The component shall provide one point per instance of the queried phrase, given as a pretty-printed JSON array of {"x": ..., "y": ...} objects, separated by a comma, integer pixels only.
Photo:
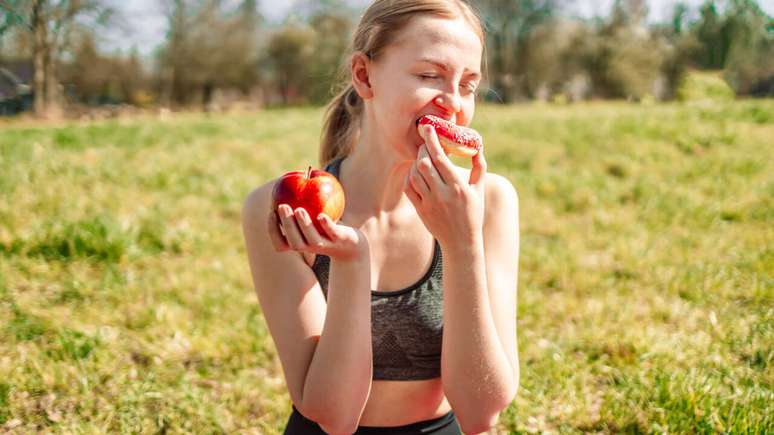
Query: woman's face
[{"x": 433, "y": 67}]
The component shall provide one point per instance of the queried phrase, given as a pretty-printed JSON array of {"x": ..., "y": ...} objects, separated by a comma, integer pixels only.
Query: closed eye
[{"x": 469, "y": 87}]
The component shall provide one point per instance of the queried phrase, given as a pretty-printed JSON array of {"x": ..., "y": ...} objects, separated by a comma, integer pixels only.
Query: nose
[{"x": 451, "y": 103}]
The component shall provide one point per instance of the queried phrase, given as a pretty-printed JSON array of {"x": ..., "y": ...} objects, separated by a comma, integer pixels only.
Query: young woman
[{"x": 401, "y": 318}]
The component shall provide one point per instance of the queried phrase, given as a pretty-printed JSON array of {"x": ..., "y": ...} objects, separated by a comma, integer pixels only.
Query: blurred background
[
  {"x": 638, "y": 135},
  {"x": 213, "y": 55}
]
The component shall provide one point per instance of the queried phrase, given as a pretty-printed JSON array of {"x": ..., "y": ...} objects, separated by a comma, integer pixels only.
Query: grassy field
[{"x": 645, "y": 286}]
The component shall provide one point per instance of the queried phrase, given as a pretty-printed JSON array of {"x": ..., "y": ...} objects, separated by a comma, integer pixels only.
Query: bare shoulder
[
  {"x": 501, "y": 205},
  {"x": 255, "y": 214},
  {"x": 499, "y": 189},
  {"x": 501, "y": 211},
  {"x": 259, "y": 199},
  {"x": 256, "y": 207}
]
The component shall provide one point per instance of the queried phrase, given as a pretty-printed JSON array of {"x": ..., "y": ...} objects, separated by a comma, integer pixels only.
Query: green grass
[{"x": 645, "y": 285}]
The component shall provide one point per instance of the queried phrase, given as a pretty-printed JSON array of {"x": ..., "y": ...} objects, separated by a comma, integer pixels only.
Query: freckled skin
[{"x": 314, "y": 190}]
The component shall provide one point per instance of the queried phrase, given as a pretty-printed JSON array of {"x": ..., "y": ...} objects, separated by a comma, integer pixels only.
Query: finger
[
  {"x": 439, "y": 158},
  {"x": 418, "y": 182},
  {"x": 275, "y": 234},
  {"x": 292, "y": 232},
  {"x": 309, "y": 231},
  {"x": 426, "y": 168},
  {"x": 329, "y": 227},
  {"x": 477, "y": 174},
  {"x": 413, "y": 196}
]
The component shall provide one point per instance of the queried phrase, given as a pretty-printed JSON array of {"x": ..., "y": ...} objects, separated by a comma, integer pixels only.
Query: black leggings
[{"x": 444, "y": 425}]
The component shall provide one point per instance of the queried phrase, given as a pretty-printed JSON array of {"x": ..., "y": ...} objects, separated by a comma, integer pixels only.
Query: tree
[
  {"x": 548, "y": 62},
  {"x": 10, "y": 17},
  {"x": 290, "y": 52},
  {"x": 208, "y": 47},
  {"x": 712, "y": 36},
  {"x": 679, "y": 16},
  {"x": 510, "y": 22},
  {"x": 50, "y": 24},
  {"x": 173, "y": 54},
  {"x": 749, "y": 60},
  {"x": 677, "y": 44},
  {"x": 333, "y": 32},
  {"x": 738, "y": 38},
  {"x": 95, "y": 78}
]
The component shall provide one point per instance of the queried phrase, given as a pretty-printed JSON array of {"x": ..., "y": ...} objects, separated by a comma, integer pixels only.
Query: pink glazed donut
[{"x": 455, "y": 139}]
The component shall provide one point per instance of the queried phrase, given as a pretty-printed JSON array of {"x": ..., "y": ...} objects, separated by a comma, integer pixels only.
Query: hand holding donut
[{"x": 451, "y": 208}]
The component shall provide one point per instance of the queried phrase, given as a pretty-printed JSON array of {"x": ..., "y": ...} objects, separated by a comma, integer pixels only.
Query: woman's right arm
[{"x": 325, "y": 349}]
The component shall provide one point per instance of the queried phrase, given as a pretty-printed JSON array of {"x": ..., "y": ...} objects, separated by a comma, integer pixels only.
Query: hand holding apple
[
  {"x": 315, "y": 190},
  {"x": 305, "y": 209}
]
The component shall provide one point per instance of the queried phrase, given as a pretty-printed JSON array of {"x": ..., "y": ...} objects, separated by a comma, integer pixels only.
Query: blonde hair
[{"x": 377, "y": 29}]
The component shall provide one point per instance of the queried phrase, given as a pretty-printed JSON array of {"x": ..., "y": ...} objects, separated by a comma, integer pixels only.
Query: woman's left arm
[
  {"x": 479, "y": 360},
  {"x": 480, "y": 369}
]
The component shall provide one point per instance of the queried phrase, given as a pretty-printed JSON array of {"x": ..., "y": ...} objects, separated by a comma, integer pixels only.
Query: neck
[{"x": 372, "y": 177}]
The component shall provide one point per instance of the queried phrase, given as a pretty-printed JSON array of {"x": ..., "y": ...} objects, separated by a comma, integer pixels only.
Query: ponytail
[{"x": 341, "y": 125}]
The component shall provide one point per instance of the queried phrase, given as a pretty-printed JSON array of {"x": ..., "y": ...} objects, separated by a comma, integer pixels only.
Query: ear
[{"x": 360, "y": 70}]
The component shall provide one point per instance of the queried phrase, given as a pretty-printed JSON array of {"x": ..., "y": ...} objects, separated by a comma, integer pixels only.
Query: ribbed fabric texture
[{"x": 407, "y": 324}]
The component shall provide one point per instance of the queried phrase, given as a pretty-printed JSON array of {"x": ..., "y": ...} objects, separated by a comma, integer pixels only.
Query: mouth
[{"x": 442, "y": 118}]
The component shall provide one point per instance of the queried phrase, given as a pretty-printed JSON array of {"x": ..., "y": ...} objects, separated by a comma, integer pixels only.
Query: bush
[{"x": 698, "y": 85}]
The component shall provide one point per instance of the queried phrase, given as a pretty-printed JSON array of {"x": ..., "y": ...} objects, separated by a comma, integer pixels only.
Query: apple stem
[{"x": 308, "y": 172}]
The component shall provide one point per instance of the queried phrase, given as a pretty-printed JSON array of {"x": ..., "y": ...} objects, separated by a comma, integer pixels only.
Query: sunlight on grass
[{"x": 645, "y": 284}]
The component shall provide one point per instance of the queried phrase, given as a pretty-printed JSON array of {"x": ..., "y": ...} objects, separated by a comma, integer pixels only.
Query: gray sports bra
[{"x": 406, "y": 325}]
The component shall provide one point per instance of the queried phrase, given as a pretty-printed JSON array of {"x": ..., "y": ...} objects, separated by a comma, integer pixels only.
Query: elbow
[
  {"x": 331, "y": 420},
  {"x": 333, "y": 429},
  {"x": 349, "y": 430},
  {"x": 512, "y": 391},
  {"x": 482, "y": 419},
  {"x": 337, "y": 412},
  {"x": 478, "y": 427},
  {"x": 333, "y": 426}
]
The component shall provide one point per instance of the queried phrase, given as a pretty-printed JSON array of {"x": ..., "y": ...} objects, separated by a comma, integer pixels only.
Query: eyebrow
[{"x": 443, "y": 66}]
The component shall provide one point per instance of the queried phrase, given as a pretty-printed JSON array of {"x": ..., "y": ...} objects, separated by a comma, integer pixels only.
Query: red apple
[{"x": 315, "y": 190}]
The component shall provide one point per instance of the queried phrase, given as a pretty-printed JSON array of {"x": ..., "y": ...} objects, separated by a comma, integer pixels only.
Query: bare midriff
[{"x": 397, "y": 403}]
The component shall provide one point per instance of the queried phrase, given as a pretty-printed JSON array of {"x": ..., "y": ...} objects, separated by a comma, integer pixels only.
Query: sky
[{"x": 145, "y": 25}]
